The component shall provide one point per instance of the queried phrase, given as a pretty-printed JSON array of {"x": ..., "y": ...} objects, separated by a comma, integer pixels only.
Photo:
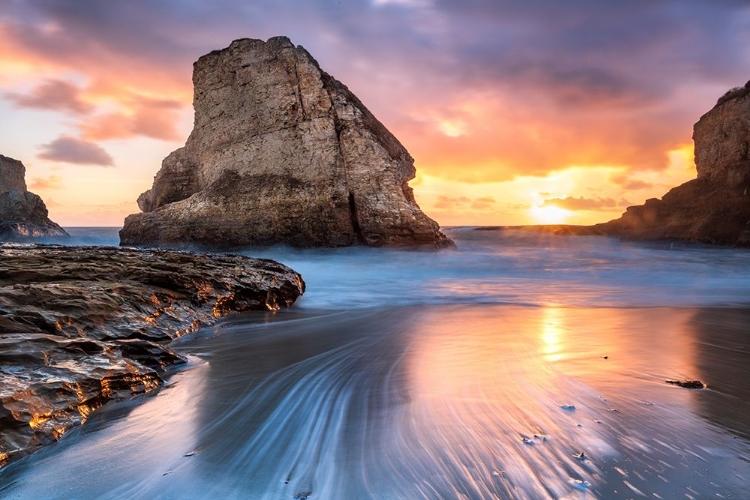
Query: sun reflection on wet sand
[
  {"x": 551, "y": 332},
  {"x": 467, "y": 402}
]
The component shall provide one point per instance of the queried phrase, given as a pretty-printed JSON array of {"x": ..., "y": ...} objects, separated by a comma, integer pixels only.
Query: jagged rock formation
[
  {"x": 715, "y": 207},
  {"x": 280, "y": 152},
  {"x": 23, "y": 215},
  {"x": 80, "y": 326}
]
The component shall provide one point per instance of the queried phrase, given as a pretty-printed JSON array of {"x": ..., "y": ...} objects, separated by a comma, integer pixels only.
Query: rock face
[
  {"x": 715, "y": 207},
  {"x": 23, "y": 215},
  {"x": 280, "y": 152},
  {"x": 83, "y": 326}
]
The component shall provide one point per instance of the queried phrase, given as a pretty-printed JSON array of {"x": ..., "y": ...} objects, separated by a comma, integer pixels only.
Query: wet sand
[{"x": 475, "y": 401}]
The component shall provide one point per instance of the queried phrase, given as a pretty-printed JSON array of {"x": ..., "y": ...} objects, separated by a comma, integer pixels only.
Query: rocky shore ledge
[{"x": 83, "y": 326}]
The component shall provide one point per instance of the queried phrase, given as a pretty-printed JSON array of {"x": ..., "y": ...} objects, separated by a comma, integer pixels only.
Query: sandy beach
[{"x": 429, "y": 402}]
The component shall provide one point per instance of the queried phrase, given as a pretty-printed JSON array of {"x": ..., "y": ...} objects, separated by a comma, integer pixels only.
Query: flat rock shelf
[{"x": 80, "y": 326}]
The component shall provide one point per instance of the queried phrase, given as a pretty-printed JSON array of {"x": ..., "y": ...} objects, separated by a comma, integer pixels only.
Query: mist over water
[
  {"x": 90, "y": 236},
  {"x": 509, "y": 267},
  {"x": 480, "y": 373},
  {"x": 516, "y": 267}
]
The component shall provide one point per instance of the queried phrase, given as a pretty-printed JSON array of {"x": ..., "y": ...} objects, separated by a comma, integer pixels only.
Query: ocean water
[
  {"x": 510, "y": 267},
  {"x": 518, "y": 366}
]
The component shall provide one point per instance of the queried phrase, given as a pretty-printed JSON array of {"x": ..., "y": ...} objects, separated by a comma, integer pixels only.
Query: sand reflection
[{"x": 551, "y": 332}]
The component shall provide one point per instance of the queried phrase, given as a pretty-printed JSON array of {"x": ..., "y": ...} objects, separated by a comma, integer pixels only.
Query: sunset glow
[
  {"x": 536, "y": 127},
  {"x": 550, "y": 214}
]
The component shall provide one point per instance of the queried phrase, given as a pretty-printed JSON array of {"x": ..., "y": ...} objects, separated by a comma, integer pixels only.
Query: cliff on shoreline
[
  {"x": 23, "y": 215},
  {"x": 715, "y": 207},
  {"x": 281, "y": 152},
  {"x": 80, "y": 326}
]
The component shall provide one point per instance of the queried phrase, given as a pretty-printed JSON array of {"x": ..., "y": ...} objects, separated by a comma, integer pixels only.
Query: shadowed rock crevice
[
  {"x": 355, "y": 221},
  {"x": 83, "y": 326},
  {"x": 277, "y": 148}
]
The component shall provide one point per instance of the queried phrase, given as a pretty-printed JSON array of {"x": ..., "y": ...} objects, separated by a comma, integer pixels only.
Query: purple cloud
[
  {"x": 68, "y": 149},
  {"x": 53, "y": 95}
]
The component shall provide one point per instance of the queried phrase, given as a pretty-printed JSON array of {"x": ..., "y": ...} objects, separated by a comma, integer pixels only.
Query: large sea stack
[
  {"x": 714, "y": 207},
  {"x": 280, "y": 152},
  {"x": 23, "y": 215}
]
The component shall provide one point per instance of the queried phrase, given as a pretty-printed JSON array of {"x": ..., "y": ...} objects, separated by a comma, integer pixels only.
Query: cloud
[
  {"x": 57, "y": 95},
  {"x": 630, "y": 184},
  {"x": 464, "y": 203},
  {"x": 551, "y": 85},
  {"x": 148, "y": 117},
  {"x": 68, "y": 149},
  {"x": 589, "y": 48},
  {"x": 130, "y": 67},
  {"x": 483, "y": 203},
  {"x": 139, "y": 115},
  {"x": 581, "y": 203},
  {"x": 45, "y": 183},
  {"x": 451, "y": 202}
]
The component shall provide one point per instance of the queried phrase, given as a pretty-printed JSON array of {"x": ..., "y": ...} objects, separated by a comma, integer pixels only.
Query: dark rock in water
[
  {"x": 281, "y": 152},
  {"x": 715, "y": 207},
  {"x": 23, "y": 215},
  {"x": 688, "y": 384},
  {"x": 83, "y": 326}
]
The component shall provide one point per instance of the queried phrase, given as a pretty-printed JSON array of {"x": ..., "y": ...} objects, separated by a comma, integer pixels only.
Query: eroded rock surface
[
  {"x": 23, "y": 215},
  {"x": 83, "y": 326},
  {"x": 280, "y": 152},
  {"x": 714, "y": 207}
]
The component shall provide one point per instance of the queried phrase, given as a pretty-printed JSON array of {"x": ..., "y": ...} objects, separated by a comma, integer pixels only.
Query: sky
[{"x": 541, "y": 111}]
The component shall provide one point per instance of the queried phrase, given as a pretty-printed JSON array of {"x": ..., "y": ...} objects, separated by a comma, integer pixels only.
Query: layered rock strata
[
  {"x": 714, "y": 207},
  {"x": 83, "y": 326},
  {"x": 280, "y": 152},
  {"x": 23, "y": 215}
]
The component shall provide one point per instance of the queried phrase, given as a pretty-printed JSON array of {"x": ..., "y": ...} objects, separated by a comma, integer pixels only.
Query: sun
[{"x": 550, "y": 214}]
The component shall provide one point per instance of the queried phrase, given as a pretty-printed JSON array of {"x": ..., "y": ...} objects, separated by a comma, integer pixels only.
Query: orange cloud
[
  {"x": 45, "y": 183},
  {"x": 483, "y": 203},
  {"x": 451, "y": 203},
  {"x": 629, "y": 183},
  {"x": 463, "y": 204},
  {"x": 155, "y": 118},
  {"x": 581, "y": 203},
  {"x": 145, "y": 94},
  {"x": 52, "y": 94},
  {"x": 503, "y": 138}
]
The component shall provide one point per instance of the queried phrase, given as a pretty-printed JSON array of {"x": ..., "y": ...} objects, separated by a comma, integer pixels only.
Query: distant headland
[
  {"x": 23, "y": 215},
  {"x": 714, "y": 208}
]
